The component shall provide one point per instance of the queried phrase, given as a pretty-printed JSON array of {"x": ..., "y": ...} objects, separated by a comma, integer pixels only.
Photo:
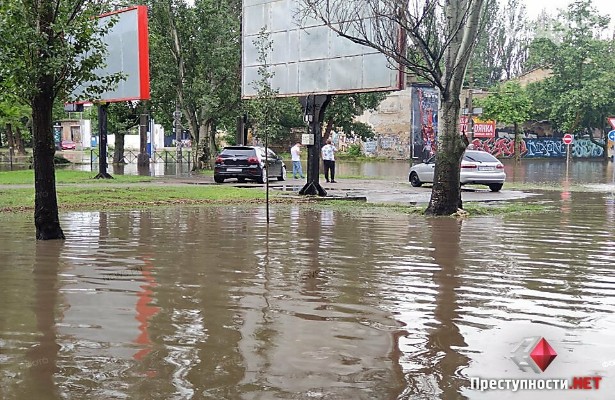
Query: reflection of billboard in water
[{"x": 424, "y": 116}]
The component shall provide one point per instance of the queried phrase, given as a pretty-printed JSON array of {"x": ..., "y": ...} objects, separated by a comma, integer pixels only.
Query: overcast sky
[{"x": 534, "y": 7}]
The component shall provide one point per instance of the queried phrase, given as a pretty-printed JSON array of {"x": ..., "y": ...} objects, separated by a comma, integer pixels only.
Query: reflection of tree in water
[
  {"x": 443, "y": 343},
  {"x": 43, "y": 357}
]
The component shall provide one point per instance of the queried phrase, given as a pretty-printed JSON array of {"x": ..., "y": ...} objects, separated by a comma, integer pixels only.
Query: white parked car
[{"x": 477, "y": 167}]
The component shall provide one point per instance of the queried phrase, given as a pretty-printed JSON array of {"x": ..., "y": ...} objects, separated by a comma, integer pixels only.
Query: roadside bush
[{"x": 354, "y": 150}]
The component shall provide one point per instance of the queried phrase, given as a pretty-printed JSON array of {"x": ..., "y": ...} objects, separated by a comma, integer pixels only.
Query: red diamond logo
[{"x": 543, "y": 354}]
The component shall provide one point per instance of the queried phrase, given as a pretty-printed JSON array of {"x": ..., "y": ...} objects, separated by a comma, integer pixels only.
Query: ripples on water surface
[{"x": 209, "y": 303}]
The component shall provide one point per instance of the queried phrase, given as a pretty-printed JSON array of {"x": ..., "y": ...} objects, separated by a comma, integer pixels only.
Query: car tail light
[
  {"x": 469, "y": 166},
  {"x": 252, "y": 160},
  {"x": 499, "y": 166},
  {"x": 219, "y": 160}
]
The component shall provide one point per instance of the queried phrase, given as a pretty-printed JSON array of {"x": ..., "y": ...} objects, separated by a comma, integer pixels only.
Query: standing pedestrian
[
  {"x": 295, "y": 156},
  {"x": 427, "y": 149},
  {"x": 328, "y": 158}
]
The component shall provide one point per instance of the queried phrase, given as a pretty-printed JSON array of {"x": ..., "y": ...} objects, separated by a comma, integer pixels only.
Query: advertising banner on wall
[
  {"x": 483, "y": 129},
  {"x": 424, "y": 117}
]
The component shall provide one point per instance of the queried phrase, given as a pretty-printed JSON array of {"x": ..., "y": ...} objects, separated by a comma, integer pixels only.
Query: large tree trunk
[
  {"x": 118, "y": 154},
  {"x": 10, "y": 141},
  {"x": 328, "y": 130},
  {"x": 213, "y": 148},
  {"x": 46, "y": 218},
  {"x": 517, "y": 143},
  {"x": 446, "y": 191},
  {"x": 204, "y": 150},
  {"x": 19, "y": 144},
  {"x": 202, "y": 153}
]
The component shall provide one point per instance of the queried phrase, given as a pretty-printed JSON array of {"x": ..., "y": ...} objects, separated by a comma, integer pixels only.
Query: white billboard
[
  {"x": 307, "y": 57},
  {"x": 127, "y": 53}
]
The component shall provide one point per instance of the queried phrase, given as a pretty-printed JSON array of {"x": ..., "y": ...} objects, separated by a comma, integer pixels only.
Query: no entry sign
[{"x": 567, "y": 139}]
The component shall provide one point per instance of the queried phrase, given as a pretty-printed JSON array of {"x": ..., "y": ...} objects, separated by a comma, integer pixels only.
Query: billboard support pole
[
  {"x": 143, "y": 157},
  {"x": 102, "y": 142},
  {"x": 314, "y": 107}
]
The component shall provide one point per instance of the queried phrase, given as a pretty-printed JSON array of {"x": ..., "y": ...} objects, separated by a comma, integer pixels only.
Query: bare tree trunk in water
[
  {"x": 118, "y": 154},
  {"x": 446, "y": 191}
]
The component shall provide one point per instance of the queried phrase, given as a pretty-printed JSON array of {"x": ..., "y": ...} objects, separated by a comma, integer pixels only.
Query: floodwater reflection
[{"x": 211, "y": 302}]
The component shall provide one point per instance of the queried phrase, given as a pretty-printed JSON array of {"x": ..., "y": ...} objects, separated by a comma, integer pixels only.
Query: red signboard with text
[{"x": 484, "y": 129}]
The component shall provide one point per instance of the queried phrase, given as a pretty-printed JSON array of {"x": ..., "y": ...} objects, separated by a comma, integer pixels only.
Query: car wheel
[
  {"x": 218, "y": 179},
  {"x": 263, "y": 178},
  {"x": 495, "y": 187},
  {"x": 414, "y": 180},
  {"x": 283, "y": 176}
]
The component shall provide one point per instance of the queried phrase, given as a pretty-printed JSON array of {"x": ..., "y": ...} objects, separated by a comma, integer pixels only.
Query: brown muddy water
[{"x": 210, "y": 303}]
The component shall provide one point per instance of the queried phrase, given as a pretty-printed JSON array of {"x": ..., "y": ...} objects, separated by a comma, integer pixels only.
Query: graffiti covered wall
[
  {"x": 425, "y": 101},
  {"x": 539, "y": 147}
]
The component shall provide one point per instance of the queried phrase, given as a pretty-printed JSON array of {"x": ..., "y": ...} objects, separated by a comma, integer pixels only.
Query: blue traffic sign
[{"x": 612, "y": 136}]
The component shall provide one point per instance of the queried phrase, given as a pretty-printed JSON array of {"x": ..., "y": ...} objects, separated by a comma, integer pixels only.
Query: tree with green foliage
[
  {"x": 264, "y": 108},
  {"x": 501, "y": 49},
  {"x": 508, "y": 103},
  {"x": 196, "y": 56},
  {"x": 578, "y": 96},
  {"x": 343, "y": 109},
  {"x": 123, "y": 117},
  {"x": 14, "y": 118},
  {"x": 287, "y": 113},
  {"x": 38, "y": 64}
]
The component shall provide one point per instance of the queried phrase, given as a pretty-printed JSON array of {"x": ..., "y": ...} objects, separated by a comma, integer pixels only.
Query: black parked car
[{"x": 248, "y": 162}]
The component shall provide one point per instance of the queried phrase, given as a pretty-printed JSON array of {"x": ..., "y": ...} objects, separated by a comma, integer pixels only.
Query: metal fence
[{"x": 159, "y": 156}]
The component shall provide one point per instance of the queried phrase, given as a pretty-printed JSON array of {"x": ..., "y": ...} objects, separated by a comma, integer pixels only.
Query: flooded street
[{"x": 210, "y": 303}]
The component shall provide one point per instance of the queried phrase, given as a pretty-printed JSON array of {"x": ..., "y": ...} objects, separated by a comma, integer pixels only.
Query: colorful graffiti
[
  {"x": 585, "y": 148},
  {"x": 539, "y": 147},
  {"x": 499, "y": 147},
  {"x": 545, "y": 147}
]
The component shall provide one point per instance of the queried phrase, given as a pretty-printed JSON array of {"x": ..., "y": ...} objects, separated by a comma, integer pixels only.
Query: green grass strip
[
  {"x": 24, "y": 177},
  {"x": 132, "y": 197}
]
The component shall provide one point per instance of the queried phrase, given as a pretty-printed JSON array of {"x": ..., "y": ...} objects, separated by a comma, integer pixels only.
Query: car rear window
[
  {"x": 479, "y": 156},
  {"x": 238, "y": 152}
]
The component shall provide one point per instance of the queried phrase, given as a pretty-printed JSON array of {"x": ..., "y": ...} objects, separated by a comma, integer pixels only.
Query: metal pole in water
[{"x": 267, "y": 174}]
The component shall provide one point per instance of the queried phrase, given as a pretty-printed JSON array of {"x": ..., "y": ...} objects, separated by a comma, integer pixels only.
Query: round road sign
[
  {"x": 612, "y": 136},
  {"x": 567, "y": 139}
]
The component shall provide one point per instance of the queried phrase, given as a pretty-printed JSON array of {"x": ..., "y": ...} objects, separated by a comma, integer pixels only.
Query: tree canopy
[{"x": 580, "y": 92}]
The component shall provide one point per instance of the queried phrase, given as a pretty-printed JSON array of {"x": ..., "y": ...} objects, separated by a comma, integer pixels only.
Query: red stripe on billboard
[{"x": 143, "y": 52}]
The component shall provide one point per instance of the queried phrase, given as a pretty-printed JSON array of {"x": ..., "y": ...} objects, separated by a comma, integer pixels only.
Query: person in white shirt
[
  {"x": 295, "y": 156},
  {"x": 328, "y": 159}
]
